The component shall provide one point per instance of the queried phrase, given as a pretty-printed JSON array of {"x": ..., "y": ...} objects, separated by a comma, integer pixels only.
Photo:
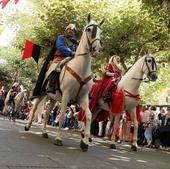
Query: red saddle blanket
[
  {"x": 117, "y": 101},
  {"x": 117, "y": 107}
]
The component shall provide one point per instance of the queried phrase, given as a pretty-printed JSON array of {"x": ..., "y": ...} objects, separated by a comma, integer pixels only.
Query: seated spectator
[
  {"x": 151, "y": 126},
  {"x": 142, "y": 125},
  {"x": 161, "y": 117},
  {"x": 167, "y": 117},
  {"x": 68, "y": 118},
  {"x": 165, "y": 131}
]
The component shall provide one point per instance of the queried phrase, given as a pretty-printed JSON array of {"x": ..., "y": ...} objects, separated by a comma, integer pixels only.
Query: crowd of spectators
[
  {"x": 70, "y": 118},
  {"x": 153, "y": 128}
]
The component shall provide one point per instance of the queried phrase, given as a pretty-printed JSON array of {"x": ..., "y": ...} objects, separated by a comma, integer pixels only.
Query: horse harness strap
[
  {"x": 136, "y": 96},
  {"x": 78, "y": 78}
]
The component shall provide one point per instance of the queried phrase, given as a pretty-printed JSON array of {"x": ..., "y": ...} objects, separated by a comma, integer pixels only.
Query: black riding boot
[{"x": 52, "y": 82}]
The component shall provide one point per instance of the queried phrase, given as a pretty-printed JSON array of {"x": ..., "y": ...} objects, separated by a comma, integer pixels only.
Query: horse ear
[
  {"x": 102, "y": 22},
  {"x": 88, "y": 18},
  {"x": 147, "y": 52}
]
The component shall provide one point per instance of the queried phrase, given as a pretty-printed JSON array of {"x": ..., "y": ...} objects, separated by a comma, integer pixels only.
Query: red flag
[
  {"x": 4, "y": 3},
  {"x": 16, "y": 1},
  {"x": 31, "y": 50}
]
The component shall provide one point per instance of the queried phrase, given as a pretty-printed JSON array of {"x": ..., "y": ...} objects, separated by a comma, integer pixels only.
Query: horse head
[
  {"x": 93, "y": 32},
  {"x": 149, "y": 67}
]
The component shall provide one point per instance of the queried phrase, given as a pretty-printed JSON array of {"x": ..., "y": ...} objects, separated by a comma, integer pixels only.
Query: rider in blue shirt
[
  {"x": 62, "y": 51},
  {"x": 65, "y": 46},
  {"x": 65, "y": 49}
]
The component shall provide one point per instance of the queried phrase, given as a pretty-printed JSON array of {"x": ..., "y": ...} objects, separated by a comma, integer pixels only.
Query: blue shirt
[{"x": 65, "y": 50}]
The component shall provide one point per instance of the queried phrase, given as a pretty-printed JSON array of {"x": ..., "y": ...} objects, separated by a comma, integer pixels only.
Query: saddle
[{"x": 53, "y": 83}]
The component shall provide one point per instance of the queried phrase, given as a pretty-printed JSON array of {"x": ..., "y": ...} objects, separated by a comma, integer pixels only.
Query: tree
[
  {"x": 13, "y": 64},
  {"x": 131, "y": 27}
]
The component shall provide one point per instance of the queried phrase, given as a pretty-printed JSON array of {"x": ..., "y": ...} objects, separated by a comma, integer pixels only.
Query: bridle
[
  {"x": 93, "y": 35},
  {"x": 150, "y": 70}
]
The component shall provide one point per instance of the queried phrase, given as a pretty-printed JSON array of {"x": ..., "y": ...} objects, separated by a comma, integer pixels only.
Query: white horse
[
  {"x": 20, "y": 100},
  {"x": 130, "y": 83},
  {"x": 14, "y": 103},
  {"x": 75, "y": 82}
]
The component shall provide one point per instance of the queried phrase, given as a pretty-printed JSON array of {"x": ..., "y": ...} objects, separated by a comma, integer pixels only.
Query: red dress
[
  {"x": 99, "y": 89},
  {"x": 104, "y": 85}
]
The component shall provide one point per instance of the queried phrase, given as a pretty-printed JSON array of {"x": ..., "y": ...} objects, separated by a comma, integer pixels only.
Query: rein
[
  {"x": 81, "y": 81},
  {"x": 141, "y": 79}
]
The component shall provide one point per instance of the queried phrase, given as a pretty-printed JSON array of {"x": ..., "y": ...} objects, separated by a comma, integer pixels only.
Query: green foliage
[
  {"x": 13, "y": 63},
  {"x": 131, "y": 28},
  {"x": 150, "y": 92}
]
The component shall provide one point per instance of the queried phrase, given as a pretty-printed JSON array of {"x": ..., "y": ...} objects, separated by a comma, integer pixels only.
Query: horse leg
[
  {"x": 85, "y": 140},
  {"x": 115, "y": 127},
  {"x": 4, "y": 111},
  {"x": 64, "y": 101},
  {"x": 32, "y": 112},
  {"x": 134, "y": 119},
  {"x": 109, "y": 126},
  {"x": 46, "y": 116},
  {"x": 94, "y": 115}
]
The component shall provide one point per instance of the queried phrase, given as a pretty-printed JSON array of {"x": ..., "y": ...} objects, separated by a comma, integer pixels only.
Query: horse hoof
[
  {"x": 44, "y": 135},
  {"x": 112, "y": 146},
  {"x": 83, "y": 146},
  {"x": 134, "y": 148},
  {"x": 82, "y": 135},
  {"x": 26, "y": 128},
  {"x": 58, "y": 142}
]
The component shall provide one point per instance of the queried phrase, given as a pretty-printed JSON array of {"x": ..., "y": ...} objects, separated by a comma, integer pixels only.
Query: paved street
[{"x": 28, "y": 150}]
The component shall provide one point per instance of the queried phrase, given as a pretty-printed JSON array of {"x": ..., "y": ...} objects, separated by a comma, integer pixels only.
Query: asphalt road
[{"x": 28, "y": 150}]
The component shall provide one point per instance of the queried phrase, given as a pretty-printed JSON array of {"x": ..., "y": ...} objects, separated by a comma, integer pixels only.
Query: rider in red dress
[
  {"x": 104, "y": 86},
  {"x": 109, "y": 81}
]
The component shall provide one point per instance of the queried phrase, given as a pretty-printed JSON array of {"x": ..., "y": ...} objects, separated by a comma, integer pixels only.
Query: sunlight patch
[
  {"x": 43, "y": 155},
  {"x": 71, "y": 148},
  {"x": 141, "y": 161},
  {"x": 119, "y": 158}
]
